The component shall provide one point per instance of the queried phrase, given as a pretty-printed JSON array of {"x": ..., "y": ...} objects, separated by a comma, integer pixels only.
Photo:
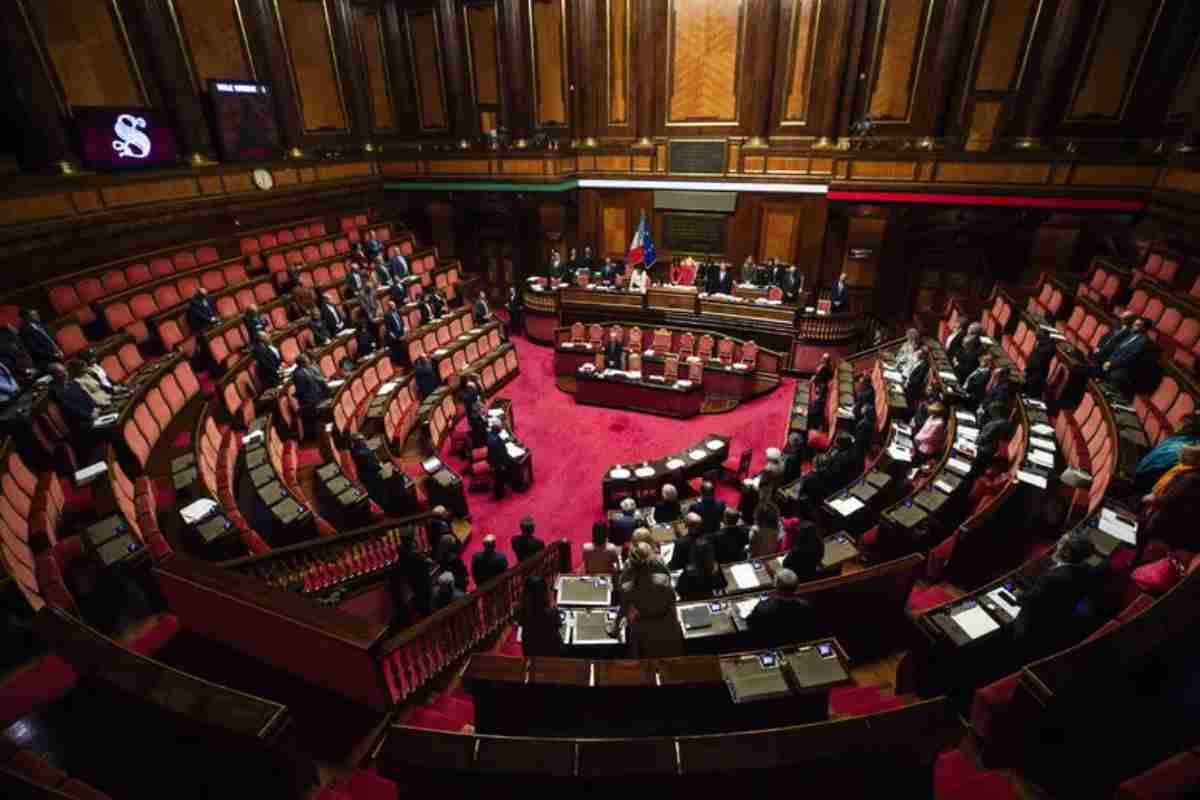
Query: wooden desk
[
  {"x": 707, "y": 454},
  {"x": 648, "y": 396}
]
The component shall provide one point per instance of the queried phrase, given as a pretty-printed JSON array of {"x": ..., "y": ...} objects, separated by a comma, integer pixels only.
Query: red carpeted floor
[{"x": 573, "y": 445}]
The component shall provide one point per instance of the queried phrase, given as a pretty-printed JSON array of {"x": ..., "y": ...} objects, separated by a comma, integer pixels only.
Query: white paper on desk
[
  {"x": 1058, "y": 336},
  {"x": 1042, "y": 458},
  {"x": 1032, "y": 478},
  {"x": 997, "y": 598},
  {"x": 1043, "y": 444},
  {"x": 968, "y": 433},
  {"x": 1114, "y": 525},
  {"x": 902, "y": 428},
  {"x": 900, "y": 454},
  {"x": 90, "y": 472},
  {"x": 847, "y": 505},
  {"x": 959, "y": 464},
  {"x": 1042, "y": 429},
  {"x": 948, "y": 376},
  {"x": 844, "y": 413},
  {"x": 965, "y": 447},
  {"x": 1038, "y": 404},
  {"x": 1049, "y": 328},
  {"x": 336, "y": 383},
  {"x": 945, "y": 487},
  {"x": 198, "y": 510},
  {"x": 975, "y": 622},
  {"x": 744, "y": 576},
  {"x": 1122, "y": 407},
  {"x": 252, "y": 437},
  {"x": 387, "y": 387},
  {"x": 964, "y": 416},
  {"x": 104, "y": 420},
  {"x": 514, "y": 451},
  {"x": 745, "y": 607},
  {"x": 893, "y": 376},
  {"x": 431, "y": 464}
]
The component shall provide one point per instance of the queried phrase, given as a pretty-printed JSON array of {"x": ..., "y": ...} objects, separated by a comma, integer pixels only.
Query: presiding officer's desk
[
  {"x": 681, "y": 399},
  {"x": 543, "y": 696}
]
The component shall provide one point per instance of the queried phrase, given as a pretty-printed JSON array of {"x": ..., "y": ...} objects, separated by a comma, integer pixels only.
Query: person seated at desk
[
  {"x": 682, "y": 554},
  {"x": 639, "y": 280},
  {"x": 311, "y": 390},
  {"x": 201, "y": 315},
  {"x": 648, "y": 601},
  {"x": 783, "y": 616},
  {"x": 525, "y": 545},
  {"x": 805, "y": 552},
  {"x": 907, "y": 354},
  {"x": 79, "y": 411},
  {"x": 930, "y": 440},
  {"x": 621, "y": 528},
  {"x": 87, "y": 381},
  {"x": 254, "y": 322},
  {"x": 445, "y": 592},
  {"x": 764, "y": 534},
  {"x": 541, "y": 626},
  {"x": 831, "y": 471},
  {"x": 609, "y": 272},
  {"x": 702, "y": 574},
  {"x": 481, "y": 312},
  {"x": 1121, "y": 368},
  {"x": 488, "y": 563},
  {"x": 719, "y": 280},
  {"x": 1056, "y": 609},
  {"x": 614, "y": 353},
  {"x": 839, "y": 296},
  {"x": 267, "y": 360},
  {"x": 999, "y": 392},
  {"x": 916, "y": 377},
  {"x": 426, "y": 378},
  {"x": 332, "y": 319},
  {"x": 588, "y": 261},
  {"x": 709, "y": 508},
  {"x": 731, "y": 540},
  {"x": 393, "y": 332},
  {"x": 37, "y": 339},
  {"x": 668, "y": 510},
  {"x": 975, "y": 384},
  {"x": 447, "y": 552},
  {"x": 966, "y": 360},
  {"x": 1109, "y": 342},
  {"x": 1037, "y": 366},
  {"x": 370, "y": 471},
  {"x": 600, "y": 556},
  {"x": 1165, "y": 454}
]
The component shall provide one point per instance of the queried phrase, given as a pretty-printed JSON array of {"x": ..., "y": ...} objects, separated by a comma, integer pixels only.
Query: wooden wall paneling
[
  {"x": 214, "y": 40},
  {"x": 852, "y": 99},
  {"x": 948, "y": 39},
  {"x": 424, "y": 39},
  {"x": 517, "y": 67},
  {"x": 760, "y": 68},
  {"x": 619, "y": 99},
  {"x": 613, "y": 239},
  {"x": 481, "y": 27},
  {"x": 806, "y": 56},
  {"x": 271, "y": 60},
  {"x": 900, "y": 43},
  {"x": 374, "y": 71},
  {"x": 1037, "y": 107},
  {"x": 404, "y": 93},
  {"x": 778, "y": 232},
  {"x": 464, "y": 122},
  {"x": 548, "y": 41},
  {"x": 1118, "y": 35},
  {"x": 649, "y": 26},
  {"x": 87, "y": 47},
  {"x": 1166, "y": 78},
  {"x": 45, "y": 138},
  {"x": 306, "y": 35},
  {"x": 704, "y": 69},
  {"x": 588, "y": 54}
]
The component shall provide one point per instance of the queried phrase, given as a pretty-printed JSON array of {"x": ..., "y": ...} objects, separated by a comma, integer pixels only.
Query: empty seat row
[
  {"x": 251, "y": 246},
  {"x": 75, "y": 297},
  {"x": 457, "y": 358},
  {"x": 175, "y": 333},
  {"x": 997, "y": 316},
  {"x": 130, "y": 313},
  {"x": 662, "y": 341},
  {"x": 31, "y": 507},
  {"x": 1164, "y": 410},
  {"x": 1174, "y": 325},
  {"x": 1103, "y": 284},
  {"x": 217, "y": 451},
  {"x": 1089, "y": 443},
  {"x": 353, "y": 396},
  {"x": 1085, "y": 327},
  {"x": 1048, "y": 301},
  {"x": 139, "y": 506},
  {"x": 1160, "y": 267},
  {"x": 439, "y": 333},
  {"x": 150, "y": 414}
]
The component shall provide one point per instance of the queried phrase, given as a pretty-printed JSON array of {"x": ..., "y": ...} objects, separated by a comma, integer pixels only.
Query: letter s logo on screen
[{"x": 130, "y": 141}]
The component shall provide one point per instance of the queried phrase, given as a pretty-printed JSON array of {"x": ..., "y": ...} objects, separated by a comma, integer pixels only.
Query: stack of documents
[
  {"x": 744, "y": 576},
  {"x": 846, "y": 505}
]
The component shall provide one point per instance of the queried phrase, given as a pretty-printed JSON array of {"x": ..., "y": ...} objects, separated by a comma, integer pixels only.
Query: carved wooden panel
[
  {"x": 612, "y": 223},
  {"x": 483, "y": 53},
  {"x": 984, "y": 116},
  {"x": 307, "y": 36},
  {"x": 1106, "y": 175},
  {"x": 88, "y": 51},
  {"x": 777, "y": 236},
  {"x": 805, "y": 22},
  {"x": 368, "y": 31},
  {"x": 213, "y": 38},
  {"x": 547, "y": 19},
  {"x": 618, "y": 62},
  {"x": 883, "y": 170},
  {"x": 1004, "y": 46},
  {"x": 703, "y": 61},
  {"x": 1187, "y": 94},
  {"x": 425, "y": 53},
  {"x": 970, "y": 172},
  {"x": 899, "y": 48},
  {"x": 1113, "y": 58}
]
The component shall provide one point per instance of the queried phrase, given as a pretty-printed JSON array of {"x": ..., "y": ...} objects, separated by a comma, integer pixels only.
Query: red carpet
[{"x": 574, "y": 445}]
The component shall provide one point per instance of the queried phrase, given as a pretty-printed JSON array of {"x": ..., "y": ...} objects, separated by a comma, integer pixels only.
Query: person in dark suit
[
  {"x": 398, "y": 292},
  {"x": 320, "y": 333},
  {"x": 720, "y": 280},
  {"x": 37, "y": 339},
  {"x": 427, "y": 379},
  {"x": 794, "y": 453},
  {"x": 516, "y": 312},
  {"x": 709, "y": 508},
  {"x": 398, "y": 266},
  {"x": 917, "y": 377},
  {"x": 476, "y": 424},
  {"x": 1056, "y": 609},
  {"x": 967, "y": 359},
  {"x": 621, "y": 527},
  {"x": 364, "y": 338},
  {"x": 805, "y": 553},
  {"x": 780, "y": 276},
  {"x": 541, "y": 626},
  {"x": 439, "y": 526},
  {"x": 330, "y": 315},
  {"x": 13, "y": 353},
  {"x": 1120, "y": 368},
  {"x": 267, "y": 360},
  {"x": 447, "y": 552},
  {"x": 783, "y": 616},
  {"x": 588, "y": 261},
  {"x": 425, "y": 308},
  {"x": 614, "y": 353},
  {"x": 488, "y": 563},
  {"x": 525, "y": 545},
  {"x": 667, "y": 510},
  {"x": 976, "y": 383},
  {"x": 254, "y": 322},
  {"x": 731, "y": 540},
  {"x": 437, "y": 304},
  {"x": 373, "y": 247},
  {"x": 702, "y": 574},
  {"x": 864, "y": 396},
  {"x": 839, "y": 296},
  {"x": 498, "y": 459},
  {"x": 954, "y": 340},
  {"x": 1037, "y": 366},
  {"x": 1108, "y": 342},
  {"x": 481, "y": 312},
  {"x": 200, "y": 312},
  {"x": 608, "y": 272},
  {"x": 311, "y": 387},
  {"x": 412, "y": 574},
  {"x": 371, "y": 473},
  {"x": 78, "y": 408},
  {"x": 445, "y": 592},
  {"x": 354, "y": 282},
  {"x": 1000, "y": 391},
  {"x": 994, "y": 434},
  {"x": 832, "y": 470},
  {"x": 393, "y": 332},
  {"x": 681, "y": 555}
]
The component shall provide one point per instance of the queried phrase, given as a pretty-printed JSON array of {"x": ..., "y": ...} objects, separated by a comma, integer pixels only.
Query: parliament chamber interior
[{"x": 483, "y": 397}]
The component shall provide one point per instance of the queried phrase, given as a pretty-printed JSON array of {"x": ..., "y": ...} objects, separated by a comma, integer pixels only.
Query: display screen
[
  {"x": 124, "y": 138},
  {"x": 244, "y": 120}
]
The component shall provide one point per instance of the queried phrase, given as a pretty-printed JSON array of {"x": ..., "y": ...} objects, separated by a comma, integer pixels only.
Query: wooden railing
[
  {"x": 411, "y": 659},
  {"x": 827, "y": 328}
]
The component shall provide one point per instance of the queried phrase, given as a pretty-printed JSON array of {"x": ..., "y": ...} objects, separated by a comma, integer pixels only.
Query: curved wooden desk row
[
  {"x": 858, "y": 757},
  {"x": 643, "y": 480}
]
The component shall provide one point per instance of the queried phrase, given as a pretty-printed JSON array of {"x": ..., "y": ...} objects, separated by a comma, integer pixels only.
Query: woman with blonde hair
[{"x": 648, "y": 604}]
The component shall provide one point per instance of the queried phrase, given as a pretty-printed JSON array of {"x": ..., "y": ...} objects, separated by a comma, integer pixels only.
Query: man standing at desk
[
  {"x": 720, "y": 281},
  {"x": 614, "y": 353},
  {"x": 783, "y": 616},
  {"x": 200, "y": 312},
  {"x": 311, "y": 390},
  {"x": 839, "y": 298},
  {"x": 709, "y": 508},
  {"x": 1056, "y": 609},
  {"x": 498, "y": 459}
]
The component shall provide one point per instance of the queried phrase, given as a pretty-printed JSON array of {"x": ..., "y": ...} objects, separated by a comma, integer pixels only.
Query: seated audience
[
  {"x": 668, "y": 510},
  {"x": 782, "y": 617},
  {"x": 600, "y": 556},
  {"x": 77, "y": 406},
  {"x": 968, "y": 357},
  {"x": 541, "y": 625},
  {"x": 1108, "y": 342},
  {"x": 1037, "y": 366},
  {"x": 1000, "y": 390},
  {"x": 931, "y": 438},
  {"x": 654, "y": 630},
  {"x": 1056, "y": 609},
  {"x": 1121, "y": 367},
  {"x": 975, "y": 384},
  {"x": 488, "y": 563},
  {"x": 702, "y": 574},
  {"x": 525, "y": 544},
  {"x": 1169, "y": 511},
  {"x": 88, "y": 382},
  {"x": 1166, "y": 453}
]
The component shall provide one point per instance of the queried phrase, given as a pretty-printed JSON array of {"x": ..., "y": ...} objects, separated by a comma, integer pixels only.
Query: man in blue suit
[
  {"x": 839, "y": 298},
  {"x": 1121, "y": 367},
  {"x": 709, "y": 508}
]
